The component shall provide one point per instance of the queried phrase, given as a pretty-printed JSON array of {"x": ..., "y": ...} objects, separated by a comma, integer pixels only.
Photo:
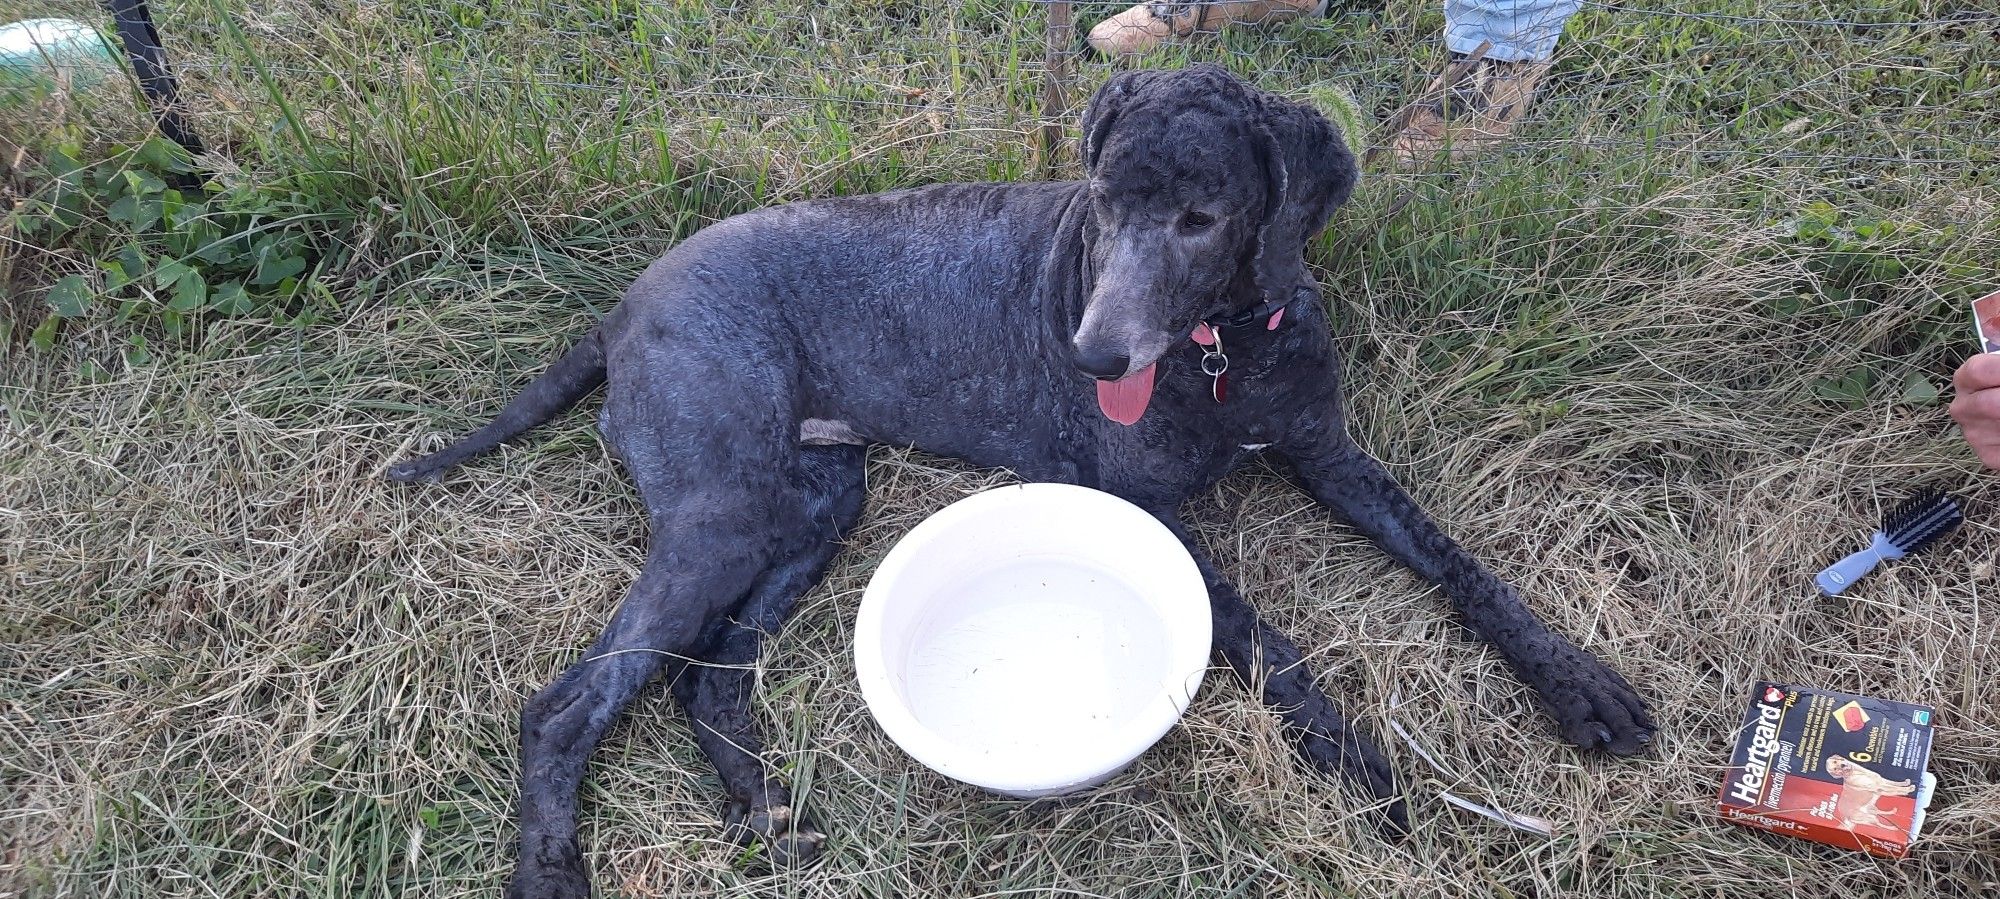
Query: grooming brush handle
[{"x": 1846, "y": 571}]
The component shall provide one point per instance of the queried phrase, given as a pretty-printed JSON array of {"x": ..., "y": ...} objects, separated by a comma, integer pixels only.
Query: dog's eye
[{"x": 1196, "y": 222}]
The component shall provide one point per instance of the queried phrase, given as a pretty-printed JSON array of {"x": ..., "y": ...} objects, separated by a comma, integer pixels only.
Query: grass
[{"x": 1656, "y": 363}]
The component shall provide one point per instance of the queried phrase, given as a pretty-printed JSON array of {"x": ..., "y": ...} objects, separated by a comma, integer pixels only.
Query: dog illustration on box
[{"x": 1861, "y": 792}]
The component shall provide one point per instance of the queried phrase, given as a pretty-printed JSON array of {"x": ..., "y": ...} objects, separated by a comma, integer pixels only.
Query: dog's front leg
[
  {"x": 1261, "y": 655},
  {"x": 1593, "y": 706}
]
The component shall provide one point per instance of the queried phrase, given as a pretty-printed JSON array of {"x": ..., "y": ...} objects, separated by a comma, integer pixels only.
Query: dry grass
[
  {"x": 235, "y": 662},
  {"x": 243, "y": 663}
]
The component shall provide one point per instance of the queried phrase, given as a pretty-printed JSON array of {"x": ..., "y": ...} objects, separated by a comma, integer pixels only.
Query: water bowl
[{"x": 1033, "y": 639}]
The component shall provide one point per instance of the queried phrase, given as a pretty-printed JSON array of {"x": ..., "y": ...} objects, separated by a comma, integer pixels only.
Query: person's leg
[
  {"x": 1517, "y": 30},
  {"x": 1500, "y": 50},
  {"x": 1145, "y": 26}
]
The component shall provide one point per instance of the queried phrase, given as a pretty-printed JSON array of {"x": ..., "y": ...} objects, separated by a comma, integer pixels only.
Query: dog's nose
[{"x": 1101, "y": 365}]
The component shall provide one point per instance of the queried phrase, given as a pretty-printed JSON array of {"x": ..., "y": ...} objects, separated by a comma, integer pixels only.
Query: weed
[{"x": 168, "y": 257}]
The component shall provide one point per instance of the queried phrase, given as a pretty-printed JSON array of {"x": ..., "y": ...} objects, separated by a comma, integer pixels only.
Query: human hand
[{"x": 1977, "y": 407}]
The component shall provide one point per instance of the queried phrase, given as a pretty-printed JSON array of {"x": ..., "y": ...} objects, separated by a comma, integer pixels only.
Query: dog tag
[{"x": 1213, "y": 363}]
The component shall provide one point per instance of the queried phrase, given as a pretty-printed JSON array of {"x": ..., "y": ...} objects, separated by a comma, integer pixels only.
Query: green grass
[{"x": 1657, "y": 362}]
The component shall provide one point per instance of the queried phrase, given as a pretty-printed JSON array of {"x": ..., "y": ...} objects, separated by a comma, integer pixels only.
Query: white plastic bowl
[{"x": 1033, "y": 640}]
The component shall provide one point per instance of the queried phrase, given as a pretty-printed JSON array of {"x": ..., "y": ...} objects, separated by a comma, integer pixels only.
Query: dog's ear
[
  {"x": 1311, "y": 172},
  {"x": 1102, "y": 111}
]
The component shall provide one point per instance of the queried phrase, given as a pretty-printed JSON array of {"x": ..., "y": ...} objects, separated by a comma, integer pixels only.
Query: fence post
[
  {"x": 1061, "y": 33},
  {"x": 149, "y": 62}
]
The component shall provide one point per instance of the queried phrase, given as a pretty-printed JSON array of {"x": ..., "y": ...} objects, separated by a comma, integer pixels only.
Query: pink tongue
[{"x": 1125, "y": 399}]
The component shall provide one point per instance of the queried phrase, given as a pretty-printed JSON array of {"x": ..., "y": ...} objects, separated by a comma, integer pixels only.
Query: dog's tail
[{"x": 574, "y": 376}]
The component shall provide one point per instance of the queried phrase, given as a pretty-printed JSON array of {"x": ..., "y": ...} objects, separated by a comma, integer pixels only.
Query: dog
[
  {"x": 1861, "y": 793},
  {"x": 1143, "y": 331}
]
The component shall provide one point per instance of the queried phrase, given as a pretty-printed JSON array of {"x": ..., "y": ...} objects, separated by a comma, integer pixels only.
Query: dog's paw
[
  {"x": 1593, "y": 706},
  {"x": 411, "y": 471},
  {"x": 788, "y": 840},
  {"x": 551, "y": 868},
  {"x": 1363, "y": 767}
]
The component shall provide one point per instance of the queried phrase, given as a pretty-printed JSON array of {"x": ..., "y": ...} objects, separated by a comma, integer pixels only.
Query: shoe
[
  {"x": 1147, "y": 25},
  {"x": 1471, "y": 107}
]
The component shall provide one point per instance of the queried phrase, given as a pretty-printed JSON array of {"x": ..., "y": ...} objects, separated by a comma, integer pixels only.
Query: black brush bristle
[{"x": 1920, "y": 520}]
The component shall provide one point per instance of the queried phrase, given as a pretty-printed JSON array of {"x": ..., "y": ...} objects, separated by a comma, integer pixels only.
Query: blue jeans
[{"x": 1519, "y": 29}]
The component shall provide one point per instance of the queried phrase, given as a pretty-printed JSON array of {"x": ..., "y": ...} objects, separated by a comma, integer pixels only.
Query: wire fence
[{"x": 875, "y": 71}]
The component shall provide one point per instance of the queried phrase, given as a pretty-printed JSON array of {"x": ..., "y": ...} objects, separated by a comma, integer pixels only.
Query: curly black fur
[{"x": 955, "y": 318}]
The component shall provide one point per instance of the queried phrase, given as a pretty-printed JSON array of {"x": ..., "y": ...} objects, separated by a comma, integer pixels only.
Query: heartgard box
[{"x": 1831, "y": 767}]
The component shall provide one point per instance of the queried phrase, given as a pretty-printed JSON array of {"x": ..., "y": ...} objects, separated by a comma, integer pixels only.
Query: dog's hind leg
[
  {"x": 716, "y": 691},
  {"x": 661, "y": 617},
  {"x": 1261, "y": 655},
  {"x": 1593, "y": 705},
  {"x": 715, "y": 489}
]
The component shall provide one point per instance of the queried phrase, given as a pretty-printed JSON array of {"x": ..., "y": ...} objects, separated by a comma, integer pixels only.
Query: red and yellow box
[{"x": 1831, "y": 767}]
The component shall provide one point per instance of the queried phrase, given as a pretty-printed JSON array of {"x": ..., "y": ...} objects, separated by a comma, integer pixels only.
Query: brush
[{"x": 1910, "y": 527}]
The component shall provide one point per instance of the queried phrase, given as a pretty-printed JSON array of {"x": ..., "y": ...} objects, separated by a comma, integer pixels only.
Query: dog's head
[
  {"x": 1839, "y": 766},
  {"x": 1203, "y": 192}
]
